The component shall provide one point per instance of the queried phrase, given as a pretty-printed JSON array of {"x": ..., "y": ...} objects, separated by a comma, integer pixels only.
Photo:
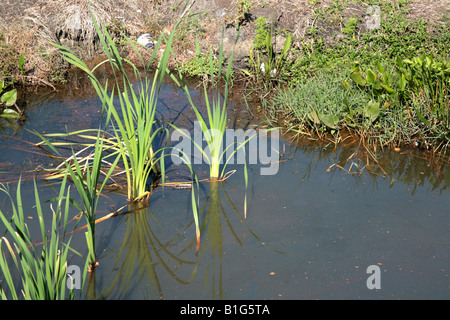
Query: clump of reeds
[
  {"x": 129, "y": 104},
  {"x": 42, "y": 272},
  {"x": 133, "y": 124}
]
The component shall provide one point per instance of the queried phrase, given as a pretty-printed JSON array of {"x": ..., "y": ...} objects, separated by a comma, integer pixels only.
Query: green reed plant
[
  {"x": 42, "y": 272},
  {"x": 214, "y": 123},
  {"x": 134, "y": 120},
  {"x": 86, "y": 178},
  {"x": 89, "y": 187},
  {"x": 217, "y": 81},
  {"x": 131, "y": 115}
]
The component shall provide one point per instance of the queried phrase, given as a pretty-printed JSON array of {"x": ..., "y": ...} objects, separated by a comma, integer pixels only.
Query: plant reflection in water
[{"x": 143, "y": 258}]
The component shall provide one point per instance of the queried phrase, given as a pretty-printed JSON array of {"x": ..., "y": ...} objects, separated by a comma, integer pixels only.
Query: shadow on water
[
  {"x": 217, "y": 218},
  {"x": 311, "y": 229}
]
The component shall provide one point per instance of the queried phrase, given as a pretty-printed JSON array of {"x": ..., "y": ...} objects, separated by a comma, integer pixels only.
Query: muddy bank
[{"x": 29, "y": 27}]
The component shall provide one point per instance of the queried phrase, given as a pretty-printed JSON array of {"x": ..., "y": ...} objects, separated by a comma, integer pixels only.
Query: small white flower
[{"x": 263, "y": 68}]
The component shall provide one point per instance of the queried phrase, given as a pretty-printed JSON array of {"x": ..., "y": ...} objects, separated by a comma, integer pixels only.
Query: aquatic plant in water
[
  {"x": 214, "y": 124},
  {"x": 42, "y": 272},
  {"x": 130, "y": 131},
  {"x": 133, "y": 124}
]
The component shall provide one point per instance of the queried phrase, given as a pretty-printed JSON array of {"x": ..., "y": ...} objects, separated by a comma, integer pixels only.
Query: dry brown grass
[
  {"x": 71, "y": 21},
  {"x": 17, "y": 39}
]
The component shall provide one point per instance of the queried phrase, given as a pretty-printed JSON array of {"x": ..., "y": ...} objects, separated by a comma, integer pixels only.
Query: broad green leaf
[
  {"x": 372, "y": 110},
  {"x": 345, "y": 84},
  {"x": 358, "y": 78},
  {"x": 9, "y": 97},
  {"x": 287, "y": 44},
  {"x": 331, "y": 121},
  {"x": 408, "y": 61},
  {"x": 380, "y": 68},
  {"x": 427, "y": 62},
  {"x": 388, "y": 88},
  {"x": 9, "y": 113},
  {"x": 371, "y": 77},
  {"x": 21, "y": 62},
  {"x": 246, "y": 72},
  {"x": 268, "y": 40},
  {"x": 314, "y": 116},
  {"x": 377, "y": 85}
]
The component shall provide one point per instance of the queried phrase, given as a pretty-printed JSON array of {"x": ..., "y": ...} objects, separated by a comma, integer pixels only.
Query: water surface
[{"x": 311, "y": 230}]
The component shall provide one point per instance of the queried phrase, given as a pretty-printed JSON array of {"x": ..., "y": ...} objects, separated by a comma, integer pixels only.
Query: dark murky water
[{"x": 311, "y": 230}]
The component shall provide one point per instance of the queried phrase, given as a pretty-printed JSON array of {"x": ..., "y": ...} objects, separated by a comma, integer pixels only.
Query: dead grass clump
[{"x": 70, "y": 22}]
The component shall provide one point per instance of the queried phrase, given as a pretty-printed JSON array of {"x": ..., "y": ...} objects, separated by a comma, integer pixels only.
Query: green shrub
[{"x": 262, "y": 28}]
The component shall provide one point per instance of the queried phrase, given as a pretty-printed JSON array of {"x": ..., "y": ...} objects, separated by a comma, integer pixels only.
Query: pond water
[{"x": 310, "y": 232}]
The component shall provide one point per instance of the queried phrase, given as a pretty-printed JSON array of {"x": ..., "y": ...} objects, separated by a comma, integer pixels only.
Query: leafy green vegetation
[
  {"x": 196, "y": 66},
  {"x": 373, "y": 105},
  {"x": 350, "y": 26},
  {"x": 267, "y": 66},
  {"x": 316, "y": 106},
  {"x": 129, "y": 142},
  {"x": 243, "y": 10},
  {"x": 129, "y": 135},
  {"x": 11, "y": 66},
  {"x": 8, "y": 99},
  {"x": 389, "y": 85},
  {"x": 8, "y": 61},
  {"x": 262, "y": 28},
  {"x": 397, "y": 37}
]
